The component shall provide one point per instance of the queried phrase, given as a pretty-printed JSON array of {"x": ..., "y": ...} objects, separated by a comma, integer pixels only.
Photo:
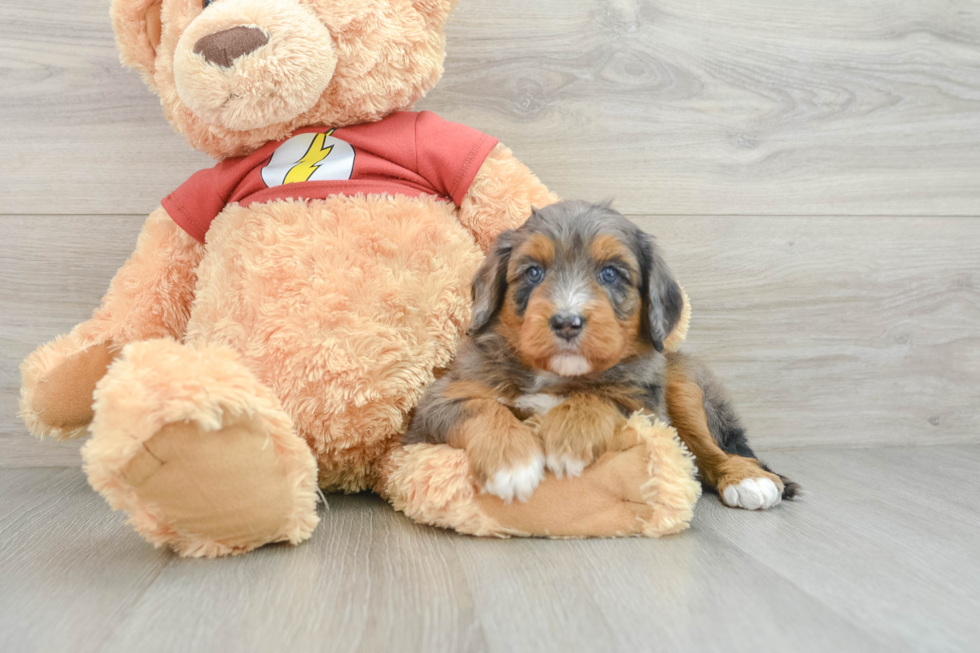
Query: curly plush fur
[
  {"x": 230, "y": 377},
  {"x": 432, "y": 484}
]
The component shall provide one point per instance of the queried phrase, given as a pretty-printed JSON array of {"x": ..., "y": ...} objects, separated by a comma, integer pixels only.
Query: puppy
[{"x": 570, "y": 315}]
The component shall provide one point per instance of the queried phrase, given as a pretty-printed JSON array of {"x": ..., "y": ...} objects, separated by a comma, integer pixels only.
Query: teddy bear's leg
[
  {"x": 149, "y": 297},
  {"x": 198, "y": 452},
  {"x": 645, "y": 485}
]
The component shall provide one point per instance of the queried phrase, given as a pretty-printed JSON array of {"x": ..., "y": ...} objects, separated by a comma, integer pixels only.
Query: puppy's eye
[
  {"x": 534, "y": 275},
  {"x": 609, "y": 275},
  {"x": 206, "y": 3}
]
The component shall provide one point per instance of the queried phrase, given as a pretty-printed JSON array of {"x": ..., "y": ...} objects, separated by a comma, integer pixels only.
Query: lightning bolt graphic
[{"x": 309, "y": 162}]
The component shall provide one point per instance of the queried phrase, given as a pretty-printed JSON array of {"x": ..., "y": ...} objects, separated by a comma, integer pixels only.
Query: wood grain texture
[
  {"x": 70, "y": 568},
  {"x": 837, "y": 331},
  {"x": 369, "y": 580},
  {"x": 730, "y": 106},
  {"x": 877, "y": 556},
  {"x": 80, "y": 134},
  {"x": 719, "y": 107},
  {"x": 53, "y": 272},
  {"x": 666, "y": 595},
  {"x": 881, "y": 538},
  {"x": 828, "y": 330}
]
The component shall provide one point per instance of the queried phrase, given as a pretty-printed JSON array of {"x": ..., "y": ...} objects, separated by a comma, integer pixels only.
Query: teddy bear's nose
[{"x": 222, "y": 48}]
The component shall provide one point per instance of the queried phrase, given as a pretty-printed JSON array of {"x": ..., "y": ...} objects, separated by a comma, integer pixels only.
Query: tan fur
[
  {"x": 630, "y": 329},
  {"x": 470, "y": 390},
  {"x": 63, "y": 399},
  {"x": 643, "y": 486},
  {"x": 581, "y": 428},
  {"x": 510, "y": 324},
  {"x": 432, "y": 484},
  {"x": 536, "y": 342},
  {"x": 389, "y": 53},
  {"x": 607, "y": 248},
  {"x": 537, "y": 247},
  {"x": 501, "y": 197},
  {"x": 530, "y": 334},
  {"x": 606, "y": 339},
  {"x": 685, "y": 403},
  {"x": 493, "y": 438},
  {"x": 349, "y": 355},
  {"x": 173, "y": 469},
  {"x": 313, "y": 327},
  {"x": 603, "y": 344},
  {"x": 232, "y": 432},
  {"x": 679, "y": 333}
]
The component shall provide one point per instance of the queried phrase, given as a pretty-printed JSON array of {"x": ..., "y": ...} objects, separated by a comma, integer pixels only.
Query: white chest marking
[{"x": 539, "y": 403}]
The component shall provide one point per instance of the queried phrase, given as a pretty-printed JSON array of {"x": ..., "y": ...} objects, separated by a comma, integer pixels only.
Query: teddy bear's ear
[
  {"x": 435, "y": 12},
  {"x": 137, "y": 26},
  {"x": 679, "y": 332}
]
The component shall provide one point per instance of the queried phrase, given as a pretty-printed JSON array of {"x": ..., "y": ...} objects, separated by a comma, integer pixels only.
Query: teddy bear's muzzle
[
  {"x": 222, "y": 48},
  {"x": 249, "y": 64}
]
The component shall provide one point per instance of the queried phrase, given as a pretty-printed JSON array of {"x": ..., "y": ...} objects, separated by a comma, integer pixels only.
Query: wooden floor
[
  {"x": 881, "y": 554},
  {"x": 812, "y": 171}
]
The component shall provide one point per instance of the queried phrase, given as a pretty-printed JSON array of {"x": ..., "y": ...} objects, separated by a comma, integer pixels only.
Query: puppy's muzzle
[
  {"x": 222, "y": 48},
  {"x": 567, "y": 326}
]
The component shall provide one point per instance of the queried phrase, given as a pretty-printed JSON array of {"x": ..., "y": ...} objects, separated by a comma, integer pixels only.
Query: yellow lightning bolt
[{"x": 307, "y": 165}]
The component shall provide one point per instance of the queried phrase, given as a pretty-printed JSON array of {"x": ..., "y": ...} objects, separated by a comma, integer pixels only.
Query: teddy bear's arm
[
  {"x": 149, "y": 297},
  {"x": 501, "y": 197}
]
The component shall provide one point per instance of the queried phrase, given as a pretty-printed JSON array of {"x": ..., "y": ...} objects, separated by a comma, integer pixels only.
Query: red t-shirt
[{"x": 406, "y": 153}]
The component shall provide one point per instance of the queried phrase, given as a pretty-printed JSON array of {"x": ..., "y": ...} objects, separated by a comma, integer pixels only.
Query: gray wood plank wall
[{"x": 812, "y": 170}]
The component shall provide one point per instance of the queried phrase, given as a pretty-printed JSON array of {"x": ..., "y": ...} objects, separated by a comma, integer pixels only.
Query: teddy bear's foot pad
[
  {"x": 221, "y": 487},
  {"x": 59, "y": 378},
  {"x": 198, "y": 452}
]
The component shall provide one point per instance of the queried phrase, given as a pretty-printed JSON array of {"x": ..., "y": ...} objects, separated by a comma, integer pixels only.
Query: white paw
[
  {"x": 562, "y": 465},
  {"x": 752, "y": 494},
  {"x": 518, "y": 482}
]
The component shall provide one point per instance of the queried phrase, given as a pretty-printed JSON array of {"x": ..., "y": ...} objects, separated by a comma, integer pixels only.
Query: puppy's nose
[
  {"x": 567, "y": 326},
  {"x": 222, "y": 48}
]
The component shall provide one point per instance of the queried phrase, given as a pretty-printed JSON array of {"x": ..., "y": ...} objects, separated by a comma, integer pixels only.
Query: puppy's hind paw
[
  {"x": 752, "y": 494},
  {"x": 516, "y": 482}
]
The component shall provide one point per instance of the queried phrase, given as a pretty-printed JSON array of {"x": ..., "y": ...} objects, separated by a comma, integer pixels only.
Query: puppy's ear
[
  {"x": 663, "y": 300},
  {"x": 490, "y": 282}
]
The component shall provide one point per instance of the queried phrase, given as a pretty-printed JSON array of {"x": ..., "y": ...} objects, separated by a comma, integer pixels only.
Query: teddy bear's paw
[
  {"x": 752, "y": 494},
  {"x": 216, "y": 492},
  {"x": 517, "y": 482},
  {"x": 58, "y": 379},
  {"x": 198, "y": 452}
]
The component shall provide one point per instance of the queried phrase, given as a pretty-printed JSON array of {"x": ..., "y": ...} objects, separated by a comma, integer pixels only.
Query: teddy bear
[{"x": 283, "y": 311}]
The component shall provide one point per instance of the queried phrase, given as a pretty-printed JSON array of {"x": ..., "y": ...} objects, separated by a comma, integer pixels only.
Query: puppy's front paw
[
  {"x": 576, "y": 432},
  {"x": 516, "y": 482},
  {"x": 752, "y": 494},
  {"x": 562, "y": 464},
  {"x": 506, "y": 459}
]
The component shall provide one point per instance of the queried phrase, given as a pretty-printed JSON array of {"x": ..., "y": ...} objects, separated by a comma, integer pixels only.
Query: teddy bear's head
[{"x": 235, "y": 74}]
